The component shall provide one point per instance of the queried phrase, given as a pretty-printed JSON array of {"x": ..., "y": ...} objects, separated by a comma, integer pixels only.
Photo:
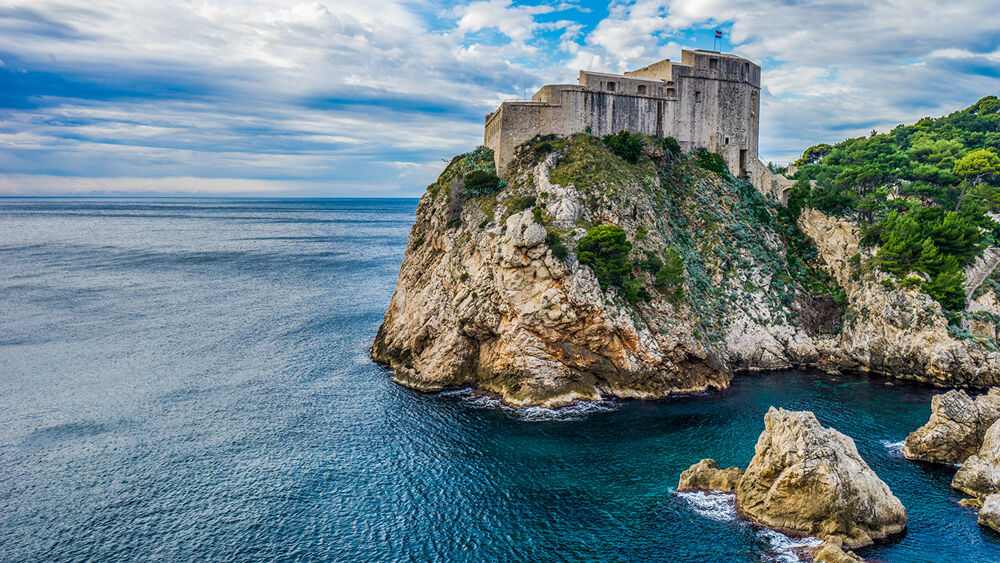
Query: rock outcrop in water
[
  {"x": 706, "y": 476},
  {"x": 493, "y": 295},
  {"x": 956, "y": 427},
  {"x": 979, "y": 475},
  {"x": 810, "y": 480},
  {"x": 832, "y": 551}
]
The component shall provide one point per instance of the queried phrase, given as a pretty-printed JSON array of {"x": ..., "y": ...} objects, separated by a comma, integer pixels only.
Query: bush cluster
[
  {"x": 711, "y": 161},
  {"x": 605, "y": 249},
  {"x": 624, "y": 144},
  {"x": 480, "y": 182}
]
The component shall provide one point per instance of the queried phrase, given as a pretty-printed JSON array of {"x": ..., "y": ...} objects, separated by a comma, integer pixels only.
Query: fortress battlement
[{"x": 709, "y": 99}]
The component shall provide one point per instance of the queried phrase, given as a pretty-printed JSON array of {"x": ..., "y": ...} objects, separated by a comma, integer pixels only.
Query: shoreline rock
[
  {"x": 811, "y": 480},
  {"x": 706, "y": 476},
  {"x": 979, "y": 475},
  {"x": 956, "y": 427},
  {"x": 832, "y": 551},
  {"x": 989, "y": 514}
]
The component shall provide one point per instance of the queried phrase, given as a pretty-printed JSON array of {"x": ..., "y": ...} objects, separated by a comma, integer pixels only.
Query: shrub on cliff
[
  {"x": 625, "y": 144},
  {"x": 670, "y": 275},
  {"x": 480, "y": 182},
  {"x": 554, "y": 241},
  {"x": 605, "y": 249},
  {"x": 711, "y": 161},
  {"x": 670, "y": 144}
]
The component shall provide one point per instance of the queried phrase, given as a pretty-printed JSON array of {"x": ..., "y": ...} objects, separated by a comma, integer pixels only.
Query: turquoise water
[{"x": 188, "y": 380}]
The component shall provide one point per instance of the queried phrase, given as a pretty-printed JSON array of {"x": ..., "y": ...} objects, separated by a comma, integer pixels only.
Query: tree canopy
[{"x": 901, "y": 185}]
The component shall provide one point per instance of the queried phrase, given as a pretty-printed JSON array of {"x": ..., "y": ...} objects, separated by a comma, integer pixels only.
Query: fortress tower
[{"x": 709, "y": 99}]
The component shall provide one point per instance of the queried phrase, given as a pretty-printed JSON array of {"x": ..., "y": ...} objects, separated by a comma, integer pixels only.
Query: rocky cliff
[
  {"x": 897, "y": 331},
  {"x": 713, "y": 279}
]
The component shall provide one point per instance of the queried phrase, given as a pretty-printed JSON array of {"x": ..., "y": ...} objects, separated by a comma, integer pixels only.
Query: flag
[{"x": 718, "y": 34}]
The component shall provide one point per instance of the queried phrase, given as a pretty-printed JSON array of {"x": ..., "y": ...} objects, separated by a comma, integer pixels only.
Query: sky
[{"x": 370, "y": 98}]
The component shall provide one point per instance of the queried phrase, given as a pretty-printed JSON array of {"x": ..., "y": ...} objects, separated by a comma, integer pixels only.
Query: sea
[{"x": 189, "y": 380}]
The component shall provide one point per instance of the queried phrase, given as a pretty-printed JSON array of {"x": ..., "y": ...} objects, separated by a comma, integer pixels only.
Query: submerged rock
[
  {"x": 979, "y": 475},
  {"x": 810, "y": 480},
  {"x": 989, "y": 514},
  {"x": 956, "y": 427},
  {"x": 706, "y": 476}
]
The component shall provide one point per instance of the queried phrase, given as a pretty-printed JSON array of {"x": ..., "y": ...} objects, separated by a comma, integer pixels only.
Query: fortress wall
[
  {"x": 709, "y": 100},
  {"x": 607, "y": 114}
]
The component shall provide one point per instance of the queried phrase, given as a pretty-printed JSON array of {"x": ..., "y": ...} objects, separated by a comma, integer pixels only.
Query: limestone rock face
[
  {"x": 956, "y": 427},
  {"x": 483, "y": 300},
  {"x": 979, "y": 475},
  {"x": 896, "y": 332},
  {"x": 811, "y": 480},
  {"x": 706, "y": 476},
  {"x": 491, "y": 294},
  {"x": 989, "y": 514}
]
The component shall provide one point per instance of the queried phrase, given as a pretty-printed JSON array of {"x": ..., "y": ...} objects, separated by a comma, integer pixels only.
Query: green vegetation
[
  {"x": 626, "y": 145},
  {"x": 975, "y": 167},
  {"x": 670, "y": 145},
  {"x": 591, "y": 166},
  {"x": 711, "y": 161},
  {"x": 920, "y": 193},
  {"x": 555, "y": 243},
  {"x": 605, "y": 249},
  {"x": 518, "y": 203},
  {"x": 480, "y": 182},
  {"x": 670, "y": 275}
]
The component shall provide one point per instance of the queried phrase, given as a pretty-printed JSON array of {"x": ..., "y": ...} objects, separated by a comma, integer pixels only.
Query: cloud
[
  {"x": 315, "y": 94},
  {"x": 516, "y": 22}
]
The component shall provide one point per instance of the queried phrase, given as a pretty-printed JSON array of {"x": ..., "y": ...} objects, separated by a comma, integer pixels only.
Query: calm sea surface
[{"x": 188, "y": 380}]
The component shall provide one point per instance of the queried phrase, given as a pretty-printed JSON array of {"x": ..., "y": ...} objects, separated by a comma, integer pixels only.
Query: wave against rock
[{"x": 810, "y": 480}]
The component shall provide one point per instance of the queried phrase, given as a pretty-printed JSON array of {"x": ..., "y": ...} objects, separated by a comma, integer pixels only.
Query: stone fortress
[{"x": 709, "y": 99}]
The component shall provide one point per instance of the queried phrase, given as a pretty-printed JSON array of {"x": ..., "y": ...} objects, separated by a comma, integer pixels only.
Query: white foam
[
  {"x": 721, "y": 507},
  {"x": 895, "y": 448},
  {"x": 576, "y": 411},
  {"x": 786, "y": 549}
]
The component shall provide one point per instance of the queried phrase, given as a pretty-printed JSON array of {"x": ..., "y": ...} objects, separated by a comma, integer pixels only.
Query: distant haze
[{"x": 331, "y": 98}]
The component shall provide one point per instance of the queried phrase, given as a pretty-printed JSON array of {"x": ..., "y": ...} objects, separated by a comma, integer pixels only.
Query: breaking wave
[
  {"x": 895, "y": 448},
  {"x": 576, "y": 411},
  {"x": 721, "y": 507}
]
